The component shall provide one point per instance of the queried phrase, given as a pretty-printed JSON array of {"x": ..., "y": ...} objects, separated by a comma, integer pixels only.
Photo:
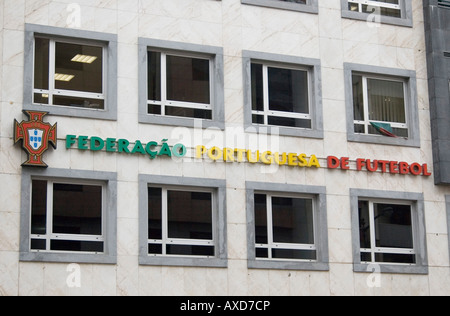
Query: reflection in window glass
[
  {"x": 284, "y": 228},
  {"x": 76, "y": 213},
  {"x": 180, "y": 222}
]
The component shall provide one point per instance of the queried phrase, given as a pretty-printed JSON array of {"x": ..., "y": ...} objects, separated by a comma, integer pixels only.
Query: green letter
[
  {"x": 122, "y": 145},
  {"x": 110, "y": 144},
  {"x": 149, "y": 150},
  {"x": 82, "y": 142},
  {"x": 70, "y": 140},
  {"x": 94, "y": 146},
  {"x": 179, "y": 150},
  {"x": 165, "y": 150},
  {"x": 138, "y": 148}
]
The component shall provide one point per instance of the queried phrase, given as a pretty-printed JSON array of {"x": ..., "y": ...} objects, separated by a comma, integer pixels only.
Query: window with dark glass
[
  {"x": 179, "y": 85},
  {"x": 280, "y": 96},
  {"x": 284, "y": 228},
  {"x": 386, "y": 232},
  {"x": 68, "y": 74},
  {"x": 66, "y": 217},
  {"x": 180, "y": 222}
]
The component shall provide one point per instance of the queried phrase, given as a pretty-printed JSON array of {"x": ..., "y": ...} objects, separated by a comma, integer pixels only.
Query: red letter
[
  {"x": 360, "y": 163},
  {"x": 416, "y": 169},
  {"x": 333, "y": 162},
  {"x": 425, "y": 170},
  {"x": 393, "y": 167},
  {"x": 344, "y": 163},
  {"x": 374, "y": 167},
  {"x": 383, "y": 165},
  {"x": 404, "y": 168}
]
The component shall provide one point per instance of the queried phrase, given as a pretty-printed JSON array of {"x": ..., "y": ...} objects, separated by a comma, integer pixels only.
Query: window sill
[
  {"x": 379, "y": 19},
  {"x": 67, "y": 258},
  {"x": 299, "y": 7},
  {"x": 183, "y": 262},
  {"x": 288, "y": 265},
  {"x": 383, "y": 140},
  {"x": 390, "y": 268}
]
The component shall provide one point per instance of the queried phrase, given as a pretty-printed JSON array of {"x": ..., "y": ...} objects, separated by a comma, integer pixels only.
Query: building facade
[{"x": 233, "y": 147}]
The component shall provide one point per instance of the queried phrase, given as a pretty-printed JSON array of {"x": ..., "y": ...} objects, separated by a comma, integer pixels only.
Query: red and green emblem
[{"x": 36, "y": 137}]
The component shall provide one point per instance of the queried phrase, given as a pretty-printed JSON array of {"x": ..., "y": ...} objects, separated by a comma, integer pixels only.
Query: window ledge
[{"x": 311, "y": 7}]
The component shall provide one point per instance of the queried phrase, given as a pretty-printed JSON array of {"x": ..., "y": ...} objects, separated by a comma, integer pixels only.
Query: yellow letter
[
  {"x": 314, "y": 162},
  {"x": 303, "y": 162},
  {"x": 292, "y": 160},
  {"x": 267, "y": 158},
  {"x": 250, "y": 156},
  {"x": 277, "y": 158},
  {"x": 201, "y": 150},
  {"x": 215, "y": 153},
  {"x": 228, "y": 154},
  {"x": 240, "y": 153}
]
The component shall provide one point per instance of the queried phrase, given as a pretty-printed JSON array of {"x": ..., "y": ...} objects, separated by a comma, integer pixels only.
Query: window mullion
[
  {"x": 51, "y": 70},
  {"x": 269, "y": 226},
  {"x": 163, "y": 83},
  {"x": 366, "y": 105},
  {"x": 266, "y": 94},
  {"x": 49, "y": 222},
  {"x": 164, "y": 219},
  {"x": 373, "y": 243}
]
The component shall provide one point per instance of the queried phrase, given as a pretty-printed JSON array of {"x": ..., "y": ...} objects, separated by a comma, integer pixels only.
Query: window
[
  {"x": 280, "y": 96},
  {"x": 181, "y": 84},
  {"x": 389, "y": 231},
  {"x": 383, "y": 7},
  {"x": 395, "y": 12},
  {"x": 386, "y": 232},
  {"x": 379, "y": 106},
  {"x": 69, "y": 216},
  {"x": 184, "y": 222},
  {"x": 180, "y": 222},
  {"x": 71, "y": 72},
  {"x": 66, "y": 216},
  {"x": 382, "y": 105},
  {"x": 287, "y": 229},
  {"x": 283, "y": 94},
  {"x": 308, "y": 6},
  {"x": 284, "y": 228},
  {"x": 68, "y": 74}
]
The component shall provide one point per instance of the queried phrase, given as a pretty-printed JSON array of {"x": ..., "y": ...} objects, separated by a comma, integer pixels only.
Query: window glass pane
[
  {"x": 79, "y": 102},
  {"x": 358, "y": 98},
  {"x": 73, "y": 245},
  {"x": 77, "y": 209},
  {"x": 386, "y": 101},
  {"x": 154, "y": 76},
  {"x": 189, "y": 215},
  {"x": 84, "y": 63},
  {"x": 288, "y": 90},
  {"x": 186, "y": 250},
  {"x": 293, "y": 220},
  {"x": 289, "y": 122},
  {"x": 261, "y": 219},
  {"x": 395, "y": 258},
  {"x": 188, "y": 79},
  {"x": 393, "y": 226},
  {"x": 295, "y": 1},
  {"x": 364, "y": 224},
  {"x": 39, "y": 207},
  {"x": 154, "y": 213},
  {"x": 186, "y": 112},
  {"x": 382, "y": 11},
  {"x": 257, "y": 88},
  {"x": 41, "y": 63},
  {"x": 294, "y": 254}
]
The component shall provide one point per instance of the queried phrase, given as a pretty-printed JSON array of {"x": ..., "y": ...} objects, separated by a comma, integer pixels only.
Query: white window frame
[
  {"x": 267, "y": 112},
  {"x": 360, "y": 4},
  {"x": 68, "y": 93},
  {"x": 367, "y": 121},
  {"x": 373, "y": 250},
  {"x": 285, "y": 246},
  {"x": 188, "y": 105},
  {"x": 49, "y": 236},
  {"x": 179, "y": 241}
]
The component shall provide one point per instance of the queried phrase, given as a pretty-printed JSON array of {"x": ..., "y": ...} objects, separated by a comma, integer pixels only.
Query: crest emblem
[{"x": 36, "y": 137}]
